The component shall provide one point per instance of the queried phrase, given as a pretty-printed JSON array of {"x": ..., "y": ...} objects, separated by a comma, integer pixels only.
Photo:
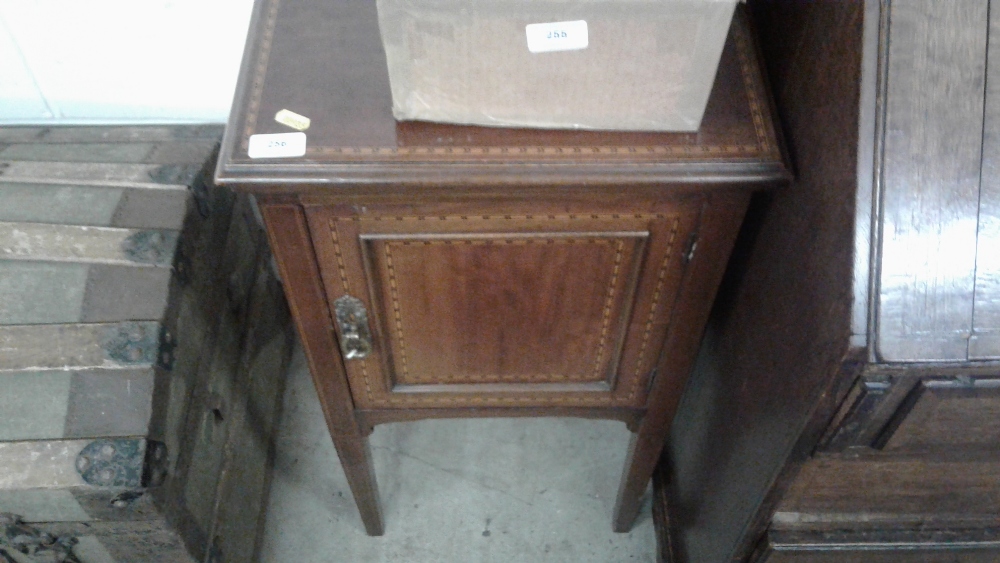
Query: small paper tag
[
  {"x": 292, "y": 119},
  {"x": 557, "y": 36},
  {"x": 277, "y": 145}
]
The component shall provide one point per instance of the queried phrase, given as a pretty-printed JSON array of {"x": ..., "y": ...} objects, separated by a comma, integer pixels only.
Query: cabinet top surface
[{"x": 323, "y": 59}]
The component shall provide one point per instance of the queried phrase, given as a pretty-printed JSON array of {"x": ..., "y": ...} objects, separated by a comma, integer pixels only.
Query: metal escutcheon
[{"x": 352, "y": 320}]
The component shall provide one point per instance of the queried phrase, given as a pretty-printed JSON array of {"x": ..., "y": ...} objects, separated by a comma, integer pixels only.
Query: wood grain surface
[
  {"x": 475, "y": 308},
  {"x": 324, "y": 60},
  {"x": 289, "y": 237},
  {"x": 949, "y": 416},
  {"x": 931, "y": 170},
  {"x": 985, "y": 342},
  {"x": 768, "y": 377},
  {"x": 873, "y": 492}
]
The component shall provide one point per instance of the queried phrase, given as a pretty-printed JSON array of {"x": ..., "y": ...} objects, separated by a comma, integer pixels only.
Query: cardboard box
[{"x": 572, "y": 64}]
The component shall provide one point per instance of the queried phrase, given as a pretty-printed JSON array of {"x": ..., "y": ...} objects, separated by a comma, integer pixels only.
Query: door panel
[
  {"x": 985, "y": 341},
  {"x": 469, "y": 308},
  {"x": 932, "y": 150},
  {"x": 484, "y": 309}
]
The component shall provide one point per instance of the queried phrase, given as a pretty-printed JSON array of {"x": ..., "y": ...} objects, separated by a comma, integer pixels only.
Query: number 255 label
[
  {"x": 277, "y": 145},
  {"x": 557, "y": 36}
]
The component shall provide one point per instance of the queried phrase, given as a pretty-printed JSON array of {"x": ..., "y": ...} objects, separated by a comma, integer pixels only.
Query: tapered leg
[
  {"x": 292, "y": 247},
  {"x": 356, "y": 457},
  {"x": 719, "y": 226},
  {"x": 639, "y": 465}
]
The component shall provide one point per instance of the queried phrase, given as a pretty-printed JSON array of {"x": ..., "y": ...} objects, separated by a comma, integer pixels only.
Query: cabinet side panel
[
  {"x": 781, "y": 322},
  {"x": 933, "y": 143}
]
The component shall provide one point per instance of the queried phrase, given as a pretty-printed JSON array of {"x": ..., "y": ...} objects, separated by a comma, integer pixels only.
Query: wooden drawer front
[
  {"x": 948, "y": 414},
  {"x": 878, "y": 507},
  {"x": 473, "y": 309}
]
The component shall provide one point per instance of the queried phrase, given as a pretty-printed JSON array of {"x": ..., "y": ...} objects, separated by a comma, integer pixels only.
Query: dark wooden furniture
[
  {"x": 488, "y": 272},
  {"x": 846, "y": 404}
]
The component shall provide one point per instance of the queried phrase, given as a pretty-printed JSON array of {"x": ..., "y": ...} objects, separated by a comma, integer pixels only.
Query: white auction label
[
  {"x": 557, "y": 36},
  {"x": 277, "y": 145}
]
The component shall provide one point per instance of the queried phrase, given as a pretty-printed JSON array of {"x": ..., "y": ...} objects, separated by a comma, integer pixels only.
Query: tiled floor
[{"x": 494, "y": 490}]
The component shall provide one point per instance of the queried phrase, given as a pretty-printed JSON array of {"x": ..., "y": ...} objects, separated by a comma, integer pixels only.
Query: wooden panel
[
  {"x": 98, "y": 245},
  {"x": 288, "y": 234},
  {"x": 140, "y": 176},
  {"x": 883, "y": 546},
  {"x": 81, "y": 152},
  {"x": 764, "y": 386},
  {"x": 41, "y": 464},
  {"x": 78, "y": 346},
  {"x": 519, "y": 309},
  {"x": 950, "y": 415},
  {"x": 933, "y": 140},
  {"x": 244, "y": 486},
  {"x": 35, "y": 292},
  {"x": 905, "y": 413},
  {"x": 875, "y": 492},
  {"x": 79, "y": 204},
  {"x": 480, "y": 309},
  {"x": 866, "y": 411},
  {"x": 297, "y": 59},
  {"x": 216, "y": 411},
  {"x": 866, "y": 226},
  {"x": 985, "y": 342},
  {"x": 105, "y": 134},
  {"x": 842, "y": 555},
  {"x": 120, "y": 542},
  {"x": 879, "y": 508},
  {"x": 215, "y": 401}
]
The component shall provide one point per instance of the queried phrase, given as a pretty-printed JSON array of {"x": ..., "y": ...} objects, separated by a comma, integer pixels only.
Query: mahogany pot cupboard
[{"x": 455, "y": 271}]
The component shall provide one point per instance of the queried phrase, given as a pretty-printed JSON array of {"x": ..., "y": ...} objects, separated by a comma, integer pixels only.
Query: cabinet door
[{"x": 504, "y": 306}]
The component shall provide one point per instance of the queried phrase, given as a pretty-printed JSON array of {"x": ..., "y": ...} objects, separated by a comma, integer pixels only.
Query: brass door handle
[{"x": 352, "y": 320}]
